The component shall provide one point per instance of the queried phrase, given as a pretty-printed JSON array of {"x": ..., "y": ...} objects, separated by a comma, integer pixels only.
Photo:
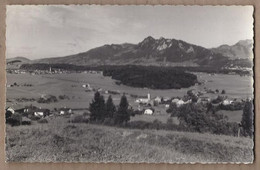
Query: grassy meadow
[{"x": 61, "y": 141}]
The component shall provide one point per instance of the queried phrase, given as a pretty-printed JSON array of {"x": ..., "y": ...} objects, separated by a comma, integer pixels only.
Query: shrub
[
  {"x": 8, "y": 114},
  {"x": 26, "y": 121},
  {"x": 195, "y": 117},
  {"x": 79, "y": 119},
  {"x": 34, "y": 117},
  {"x": 42, "y": 121},
  {"x": 47, "y": 99},
  {"x": 109, "y": 121},
  {"x": 14, "y": 120},
  {"x": 247, "y": 119}
]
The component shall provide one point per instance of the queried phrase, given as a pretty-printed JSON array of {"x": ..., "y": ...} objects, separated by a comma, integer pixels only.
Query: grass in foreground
[{"x": 59, "y": 141}]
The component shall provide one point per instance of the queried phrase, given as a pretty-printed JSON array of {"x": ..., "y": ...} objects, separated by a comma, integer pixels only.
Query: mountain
[
  {"x": 241, "y": 50},
  {"x": 16, "y": 62},
  {"x": 163, "y": 52},
  {"x": 160, "y": 52}
]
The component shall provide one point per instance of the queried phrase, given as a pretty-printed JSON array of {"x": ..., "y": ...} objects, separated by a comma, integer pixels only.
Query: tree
[
  {"x": 247, "y": 119},
  {"x": 97, "y": 108},
  {"x": 110, "y": 108},
  {"x": 223, "y": 92},
  {"x": 122, "y": 115},
  {"x": 8, "y": 114}
]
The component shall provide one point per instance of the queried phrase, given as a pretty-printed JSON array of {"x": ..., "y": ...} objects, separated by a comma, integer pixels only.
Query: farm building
[
  {"x": 166, "y": 99},
  {"x": 148, "y": 111},
  {"x": 180, "y": 102},
  {"x": 158, "y": 99},
  {"x": 41, "y": 112},
  {"x": 227, "y": 102},
  {"x": 10, "y": 109},
  {"x": 16, "y": 109},
  {"x": 203, "y": 100},
  {"x": 65, "y": 111},
  {"x": 86, "y": 85},
  {"x": 144, "y": 100}
]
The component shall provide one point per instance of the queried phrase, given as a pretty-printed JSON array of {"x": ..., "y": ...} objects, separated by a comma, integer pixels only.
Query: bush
[
  {"x": 109, "y": 121},
  {"x": 42, "y": 121},
  {"x": 34, "y": 117},
  {"x": 8, "y": 114},
  {"x": 14, "y": 120},
  {"x": 26, "y": 121},
  {"x": 79, "y": 119},
  {"x": 247, "y": 119},
  {"x": 47, "y": 99},
  {"x": 195, "y": 117}
]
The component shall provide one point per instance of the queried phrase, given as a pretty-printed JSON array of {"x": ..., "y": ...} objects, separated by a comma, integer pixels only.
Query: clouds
[{"x": 59, "y": 30}]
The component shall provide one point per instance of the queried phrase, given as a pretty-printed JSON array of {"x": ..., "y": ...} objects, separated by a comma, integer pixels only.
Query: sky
[{"x": 41, "y": 31}]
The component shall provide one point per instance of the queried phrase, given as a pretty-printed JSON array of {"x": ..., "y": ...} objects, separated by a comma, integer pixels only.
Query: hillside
[
  {"x": 241, "y": 50},
  {"x": 157, "y": 52},
  {"x": 16, "y": 62},
  {"x": 88, "y": 143}
]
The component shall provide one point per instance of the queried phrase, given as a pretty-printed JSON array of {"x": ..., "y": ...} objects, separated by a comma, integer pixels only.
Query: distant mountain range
[
  {"x": 159, "y": 52},
  {"x": 241, "y": 50}
]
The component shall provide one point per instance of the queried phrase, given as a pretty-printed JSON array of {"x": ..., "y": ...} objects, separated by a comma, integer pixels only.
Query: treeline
[
  {"x": 71, "y": 67},
  {"x": 106, "y": 112},
  {"x": 152, "y": 77}
]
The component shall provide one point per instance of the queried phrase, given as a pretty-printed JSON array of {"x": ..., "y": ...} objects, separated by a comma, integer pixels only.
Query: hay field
[{"x": 59, "y": 141}]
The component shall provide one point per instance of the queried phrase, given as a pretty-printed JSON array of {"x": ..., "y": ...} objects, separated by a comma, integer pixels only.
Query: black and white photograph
[{"x": 129, "y": 84}]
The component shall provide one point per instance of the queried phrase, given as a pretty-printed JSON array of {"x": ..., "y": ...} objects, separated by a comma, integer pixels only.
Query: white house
[
  {"x": 180, "y": 102},
  {"x": 65, "y": 111},
  {"x": 158, "y": 99},
  {"x": 167, "y": 105},
  {"x": 10, "y": 109},
  {"x": 166, "y": 99},
  {"x": 39, "y": 113},
  {"x": 144, "y": 100},
  {"x": 148, "y": 112},
  {"x": 227, "y": 102}
]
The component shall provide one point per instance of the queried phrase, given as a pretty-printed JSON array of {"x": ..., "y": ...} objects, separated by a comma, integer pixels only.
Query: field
[
  {"x": 59, "y": 141},
  {"x": 71, "y": 85}
]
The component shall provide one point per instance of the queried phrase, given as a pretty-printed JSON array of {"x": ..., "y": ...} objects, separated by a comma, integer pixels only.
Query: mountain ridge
[{"x": 159, "y": 52}]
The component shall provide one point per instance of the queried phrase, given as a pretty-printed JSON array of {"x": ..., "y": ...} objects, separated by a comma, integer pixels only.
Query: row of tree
[{"x": 106, "y": 111}]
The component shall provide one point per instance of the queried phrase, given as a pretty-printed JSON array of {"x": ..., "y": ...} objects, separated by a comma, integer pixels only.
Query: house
[
  {"x": 144, "y": 100},
  {"x": 41, "y": 112},
  {"x": 203, "y": 100},
  {"x": 10, "y": 109},
  {"x": 148, "y": 111},
  {"x": 227, "y": 102},
  {"x": 166, "y": 99},
  {"x": 86, "y": 85},
  {"x": 158, "y": 99},
  {"x": 180, "y": 102},
  {"x": 16, "y": 109},
  {"x": 65, "y": 111}
]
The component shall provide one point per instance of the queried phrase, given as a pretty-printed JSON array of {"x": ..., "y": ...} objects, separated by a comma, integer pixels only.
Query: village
[{"x": 141, "y": 105}]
